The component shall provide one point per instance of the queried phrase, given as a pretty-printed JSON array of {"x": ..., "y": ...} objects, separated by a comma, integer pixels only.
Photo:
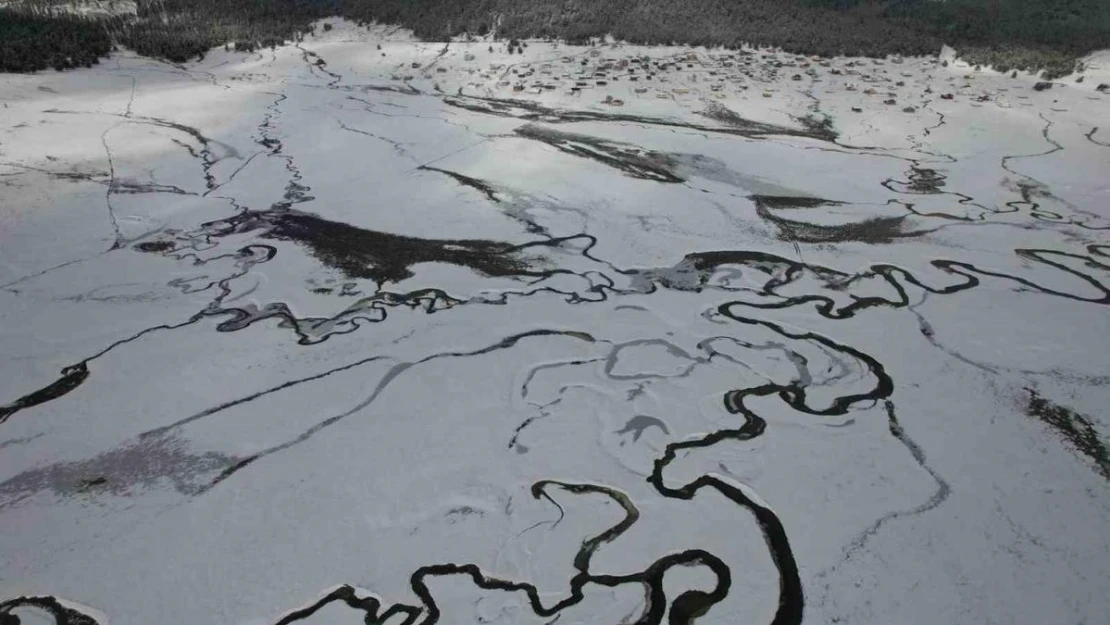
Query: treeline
[
  {"x": 178, "y": 30},
  {"x": 32, "y": 41},
  {"x": 794, "y": 25},
  {"x": 1030, "y": 32},
  {"x": 1073, "y": 25},
  {"x": 1046, "y": 34}
]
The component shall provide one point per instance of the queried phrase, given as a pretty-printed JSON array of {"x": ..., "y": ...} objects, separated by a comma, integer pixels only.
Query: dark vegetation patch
[
  {"x": 733, "y": 122},
  {"x": 819, "y": 126},
  {"x": 721, "y": 113},
  {"x": 816, "y": 126},
  {"x": 633, "y": 161},
  {"x": 925, "y": 181},
  {"x": 870, "y": 230},
  {"x": 155, "y": 247},
  {"x": 479, "y": 185},
  {"x": 384, "y": 257},
  {"x": 1006, "y": 33},
  {"x": 1075, "y": 428},
  {"x": 786, "y": 201},
  {"x": 143, "y": 463},
  {"x": 371, "y": 255}
]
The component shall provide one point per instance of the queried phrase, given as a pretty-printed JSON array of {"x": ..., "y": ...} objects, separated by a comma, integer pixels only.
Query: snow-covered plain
[{"x": 369, "y": 330}]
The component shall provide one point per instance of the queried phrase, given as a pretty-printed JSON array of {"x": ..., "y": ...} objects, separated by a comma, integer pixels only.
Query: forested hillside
[
  {"x": 34, "y": 41},
  {"x": 1041, "y": 33}
]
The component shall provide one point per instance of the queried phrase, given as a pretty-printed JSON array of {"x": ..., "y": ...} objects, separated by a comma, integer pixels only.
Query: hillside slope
[{"x": 1042, "y": 34}]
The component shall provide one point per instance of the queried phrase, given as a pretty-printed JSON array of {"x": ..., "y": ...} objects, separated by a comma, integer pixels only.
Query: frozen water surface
[{"x": 329, "y": 334}]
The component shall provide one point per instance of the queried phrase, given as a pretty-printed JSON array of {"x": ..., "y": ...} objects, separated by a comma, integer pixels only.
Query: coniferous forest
[{"x": 1033, "y": 34}]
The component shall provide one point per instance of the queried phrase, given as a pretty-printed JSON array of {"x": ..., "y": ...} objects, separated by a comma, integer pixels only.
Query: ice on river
[{"x": 365, "y": 329}]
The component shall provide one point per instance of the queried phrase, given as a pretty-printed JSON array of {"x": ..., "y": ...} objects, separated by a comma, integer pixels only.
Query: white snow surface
[{"x": 363, "y": 323}]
